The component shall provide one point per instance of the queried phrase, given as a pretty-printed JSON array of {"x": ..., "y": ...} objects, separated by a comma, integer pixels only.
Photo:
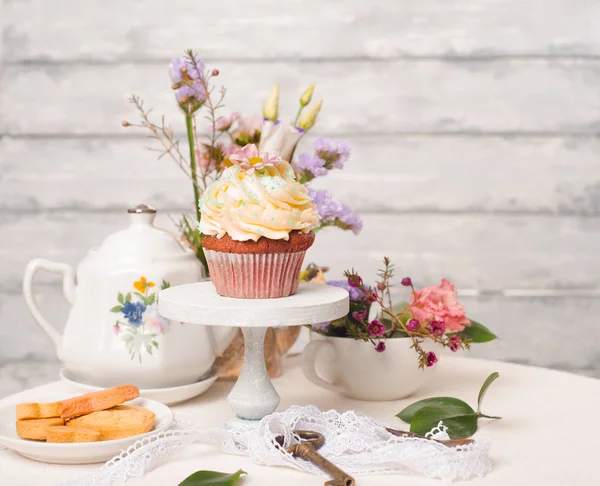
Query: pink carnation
[
  {"x": 438, "y": 303},
  {"x": 249, "y": 159}
]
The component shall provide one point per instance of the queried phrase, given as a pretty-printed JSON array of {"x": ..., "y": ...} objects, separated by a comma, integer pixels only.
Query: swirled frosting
[{"x": 249, "y": 204}]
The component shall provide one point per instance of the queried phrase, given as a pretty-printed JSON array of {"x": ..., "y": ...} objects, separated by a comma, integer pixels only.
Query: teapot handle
[{"x": 68, "y": 289}]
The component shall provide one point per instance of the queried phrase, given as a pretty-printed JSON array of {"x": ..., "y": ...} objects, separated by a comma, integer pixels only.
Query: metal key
[{"x": 307, "y": 450}]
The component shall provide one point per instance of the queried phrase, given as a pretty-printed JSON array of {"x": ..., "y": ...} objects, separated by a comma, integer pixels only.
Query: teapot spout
[{"x": 222, "y": 335}]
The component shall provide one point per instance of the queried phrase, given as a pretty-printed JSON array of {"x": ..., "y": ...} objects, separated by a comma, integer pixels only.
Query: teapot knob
[{"x": 142, "y": 214}]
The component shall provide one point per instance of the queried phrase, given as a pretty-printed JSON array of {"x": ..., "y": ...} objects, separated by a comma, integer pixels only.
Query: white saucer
[
  {"x": 80, "y": 453},
  {"x": 168, "y": 396}
]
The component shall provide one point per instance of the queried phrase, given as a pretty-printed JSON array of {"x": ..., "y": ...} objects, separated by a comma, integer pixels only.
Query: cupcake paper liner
[{"x": 255, "y": 275}]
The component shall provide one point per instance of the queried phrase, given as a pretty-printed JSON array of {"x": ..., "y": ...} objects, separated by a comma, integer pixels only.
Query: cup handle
[
  {"x": 309, "y": 355},
  {"x": 68, "y": 289}
]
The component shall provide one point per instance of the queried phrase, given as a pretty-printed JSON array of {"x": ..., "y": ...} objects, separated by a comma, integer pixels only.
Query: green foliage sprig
[
  {"x": 457, "y": 415},
  {"x": 212, "y": 478}
]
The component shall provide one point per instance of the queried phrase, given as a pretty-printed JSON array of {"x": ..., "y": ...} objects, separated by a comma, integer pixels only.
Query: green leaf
[
  {"x": 120, "y": 298},
  {"x": 117, "y": 308},
  {"x": 212, "y": 478},
  {"x": 458, "y": 406},
  {"x": 128, "y": 297},
  {"x": 489, "y": 380},
  {"x": 150, "y": 299},
  {"x": 477, "y": 333},
  {"x": 165, "y": 284},
  {"x": 460, "y": 426}
]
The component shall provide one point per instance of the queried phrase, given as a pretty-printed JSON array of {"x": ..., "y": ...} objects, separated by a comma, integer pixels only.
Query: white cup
[{"x": 353, "y": 368}]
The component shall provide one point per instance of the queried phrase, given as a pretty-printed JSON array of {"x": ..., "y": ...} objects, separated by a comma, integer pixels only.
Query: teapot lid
[{"x": 142, "y": 241}]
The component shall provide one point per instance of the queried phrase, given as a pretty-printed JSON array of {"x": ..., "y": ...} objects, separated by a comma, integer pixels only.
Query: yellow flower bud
[
  {"x": 307, "y": 95},
  {"x": 309, "y": 117},
  {"x": 271, "y": 108}
]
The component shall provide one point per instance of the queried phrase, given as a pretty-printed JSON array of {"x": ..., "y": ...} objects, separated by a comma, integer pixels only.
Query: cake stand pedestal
[{"x": 253, "y": 395}]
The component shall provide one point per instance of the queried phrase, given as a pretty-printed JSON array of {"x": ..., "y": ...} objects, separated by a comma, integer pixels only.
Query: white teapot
[{"x": 114, "y": 333}]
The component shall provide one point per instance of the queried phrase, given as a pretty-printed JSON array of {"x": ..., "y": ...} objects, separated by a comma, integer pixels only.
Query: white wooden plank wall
[{"x": 474, "y": 126}]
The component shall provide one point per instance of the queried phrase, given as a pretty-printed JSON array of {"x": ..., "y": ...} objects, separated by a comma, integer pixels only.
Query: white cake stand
[{"x": 253, "y": 395}]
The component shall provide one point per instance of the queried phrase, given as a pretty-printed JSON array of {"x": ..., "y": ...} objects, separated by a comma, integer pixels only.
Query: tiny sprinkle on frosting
[{"x": 248, "y": 202}]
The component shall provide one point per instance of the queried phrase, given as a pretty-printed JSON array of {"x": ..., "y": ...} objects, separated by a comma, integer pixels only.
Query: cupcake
[{"x": 257, "y": 222}]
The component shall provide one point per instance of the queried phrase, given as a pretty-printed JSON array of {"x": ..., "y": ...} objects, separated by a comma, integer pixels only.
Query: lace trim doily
[{"x": 356, "y": 443}]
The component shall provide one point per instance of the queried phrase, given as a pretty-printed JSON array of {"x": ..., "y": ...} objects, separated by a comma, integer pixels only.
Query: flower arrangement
[
  {"x": 432, "y": 313},
  {"x": 243, "y": 141}
]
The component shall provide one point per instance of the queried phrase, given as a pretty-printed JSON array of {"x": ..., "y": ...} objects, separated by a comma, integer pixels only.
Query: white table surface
[{"x": 548, "y": 434}]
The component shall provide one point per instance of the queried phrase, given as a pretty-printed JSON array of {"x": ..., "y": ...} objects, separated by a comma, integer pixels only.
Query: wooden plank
[
  {"x": 360, "y": 96},
  {"x": 384, "y": 173},
  {"x": 475, "y": 251},
  {"x": 116, "y": 30}
]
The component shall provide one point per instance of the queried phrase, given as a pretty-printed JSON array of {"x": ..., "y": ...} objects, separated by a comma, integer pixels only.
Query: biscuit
[
  {"x": 36, "y": 429},
  {"x": 38, "y": 410},
  {"x": 64, "y": 434},
  {"x": 97, "y": 401},
  {"x": 118, "y": 422}
]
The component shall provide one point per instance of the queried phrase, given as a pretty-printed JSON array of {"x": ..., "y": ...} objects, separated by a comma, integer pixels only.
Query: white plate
[
  {"x": 168, "y": 396},
  {"x": 78, "y": 453}
]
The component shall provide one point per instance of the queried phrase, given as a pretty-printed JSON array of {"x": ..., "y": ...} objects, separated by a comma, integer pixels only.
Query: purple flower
[
  {"x": 380, "y": 348},
  {"x": 189, "y": 88},
  {"x": 431, "y": 359},
  {"x": 312, "y": 164},
  {"x": 413, "y": 325},
  {"x": 406, "y": 281},
  {"x": 360, "y": 315},
  {"x": 454, "y": 343},
  {"x": 321, "y": 326},
  {"x": 376, "y": 328},
  {"x": 133, "y": 312},
  {"x": 334, "y": 213},
  {"x": 356, "y": 295},
  {"x": 333, "y": 152},
  {"x": 437, "y": 328}
]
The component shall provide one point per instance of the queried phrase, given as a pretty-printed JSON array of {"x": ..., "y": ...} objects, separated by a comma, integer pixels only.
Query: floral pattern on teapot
[{"x": 139, "y": 323}]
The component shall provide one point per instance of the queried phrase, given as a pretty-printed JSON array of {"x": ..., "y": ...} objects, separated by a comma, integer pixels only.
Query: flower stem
[
  {"x": 488, "y": 416},
  {"x": 194, "y": 169},
  {"x": 298, "y": 116}
]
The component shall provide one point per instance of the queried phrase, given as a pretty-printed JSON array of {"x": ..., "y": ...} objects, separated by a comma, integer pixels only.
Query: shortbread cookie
[
  {"x": 118, "y": 422},
  {"x": 62, "y": 433},
  {"x": 97, "y": 401},
  {"x": 36, "y": 429},
  {"x": 27, "y": 411}
]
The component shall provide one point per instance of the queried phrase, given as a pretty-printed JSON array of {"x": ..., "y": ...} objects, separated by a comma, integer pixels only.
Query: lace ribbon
[{"x": 356, "y": 443}]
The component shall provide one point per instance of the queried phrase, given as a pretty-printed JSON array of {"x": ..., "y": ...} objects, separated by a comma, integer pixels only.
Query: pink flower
[
  {"x": 117, "y": 329},
  {"x": 406, "y": 281},
  {"x": 354, "y": 281},
  {"x": 380, "y": 348},
  {"x": 438, "y": 303},
  {"x": 437, "y": 328},
  {"x": 376, "y": 328},
  {"x": 431, "y": 359},
  {"x": 381, "y": 286},
  {"x": 248, "y": 159},
  {"x": 224, "y": 123},
  {"x": 454, "y": 343},
  {"x": 250, "y": 125},
  {"x": 371, "y": 296},
  {"x": 360, "y": 315},
  {"x": 413, "y": 325}
]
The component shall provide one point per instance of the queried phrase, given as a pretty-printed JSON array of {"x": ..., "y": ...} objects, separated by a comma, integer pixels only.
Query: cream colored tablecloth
[{"x": 549, "y": 434}]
